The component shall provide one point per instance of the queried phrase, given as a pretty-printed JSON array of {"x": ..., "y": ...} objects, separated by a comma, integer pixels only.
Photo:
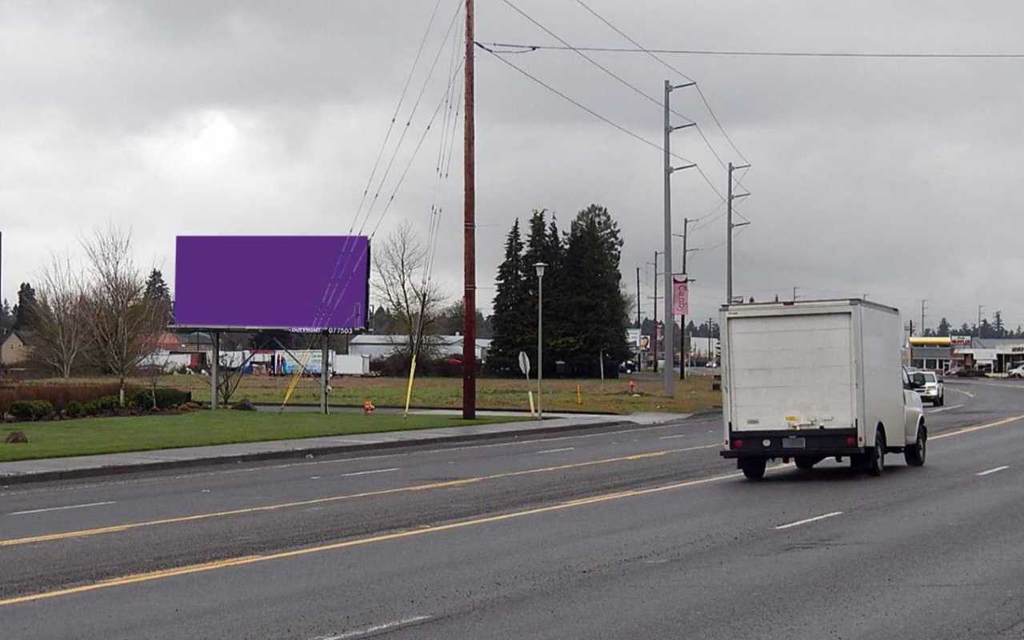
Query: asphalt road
[{"x": 629, "y": 533}]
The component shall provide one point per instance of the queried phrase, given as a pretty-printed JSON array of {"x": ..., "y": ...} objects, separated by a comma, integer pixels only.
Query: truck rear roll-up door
[{"x": 791, "y": 370}]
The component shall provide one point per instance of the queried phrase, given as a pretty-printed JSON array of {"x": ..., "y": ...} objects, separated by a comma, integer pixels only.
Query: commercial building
[{"x": 996, "y": 355}]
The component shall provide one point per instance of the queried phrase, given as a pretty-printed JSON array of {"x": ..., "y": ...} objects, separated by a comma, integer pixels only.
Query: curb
[{"x": 72, "y": 474}]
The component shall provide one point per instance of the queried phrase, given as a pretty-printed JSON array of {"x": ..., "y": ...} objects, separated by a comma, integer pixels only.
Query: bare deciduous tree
[
  {"x": 124, "y": 323},
  {"x": 58, "y": 317},
  {"x": 400, "y": 267}
]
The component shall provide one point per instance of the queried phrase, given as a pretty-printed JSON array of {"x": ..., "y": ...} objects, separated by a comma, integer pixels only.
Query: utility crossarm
[{"x": 682, "y": 168}]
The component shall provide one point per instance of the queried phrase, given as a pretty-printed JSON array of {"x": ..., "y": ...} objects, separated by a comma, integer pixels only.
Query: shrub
[
  {"x": 165, "y": 398},
  {"x": 31, "y": 409},
  {"x": 102, "y": 406},
  {"x": 59, "y": 394},
  {"x": 75, "y": 409}
]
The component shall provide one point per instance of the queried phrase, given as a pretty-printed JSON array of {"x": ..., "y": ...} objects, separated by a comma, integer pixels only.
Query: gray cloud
[{"x": 889, "y": 177}]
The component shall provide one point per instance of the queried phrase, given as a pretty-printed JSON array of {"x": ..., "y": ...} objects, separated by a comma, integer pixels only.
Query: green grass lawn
[{"x": 90, "y": 436}]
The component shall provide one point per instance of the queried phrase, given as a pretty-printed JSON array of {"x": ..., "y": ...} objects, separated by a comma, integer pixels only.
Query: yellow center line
[
  {"x": 979, "y": 427},
  {"x": 119, "y": 528},
  {"x": 252, "y": 559}
]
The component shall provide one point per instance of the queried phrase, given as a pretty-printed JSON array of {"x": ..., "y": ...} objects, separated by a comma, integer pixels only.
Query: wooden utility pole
[{"x": 469, "y": 258}]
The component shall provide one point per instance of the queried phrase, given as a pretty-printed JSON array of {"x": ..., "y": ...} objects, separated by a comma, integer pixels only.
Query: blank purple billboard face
[{"x": 301, "y": 283}]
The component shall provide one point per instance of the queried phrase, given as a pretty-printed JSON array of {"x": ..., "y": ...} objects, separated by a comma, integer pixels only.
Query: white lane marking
[
  {"x": 808, "y": 520},
  {"x": 377, "y": 628},
  {"x": 955, "y": 406},
  {"x": 289, "y": 465},
  {"x": 966, "y": 393},
  {"x": 556, "y": 450},
  {"x": 996, "y": 470},
  {"x": 681, "y": 435},
  {"x": 73, "y": 506},
  {"x": 314, "y": 477},
  {"x": 366, "y": 473}
]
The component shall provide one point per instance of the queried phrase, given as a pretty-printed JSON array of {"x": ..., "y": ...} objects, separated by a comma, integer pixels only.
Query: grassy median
[{"x": 90, "y": 436}]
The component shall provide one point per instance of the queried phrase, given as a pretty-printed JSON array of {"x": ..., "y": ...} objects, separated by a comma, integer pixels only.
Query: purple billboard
[{"x": 298, "y": 283}]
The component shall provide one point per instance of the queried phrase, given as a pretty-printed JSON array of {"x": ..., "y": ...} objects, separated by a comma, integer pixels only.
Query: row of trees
[
  {"x": 16, "y": 317},
  {"x": 995, "y": 329},
  {"x": 585, "y": 310},
  {"x": 105, "y": 312}
]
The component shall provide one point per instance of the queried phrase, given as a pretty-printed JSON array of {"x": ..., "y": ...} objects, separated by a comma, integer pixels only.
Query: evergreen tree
[
  {"x": 22, "y": 311},
  {"x": 158, "y": 291},
  {"x": 6, "y": 317},
  {"x": 510, "y": 319},
  {"x": 593, "y": 293},
  {"x": 943, "y": 328},
  {"x": 998, "y": 330},
  {"x": 156, "y": 288}
]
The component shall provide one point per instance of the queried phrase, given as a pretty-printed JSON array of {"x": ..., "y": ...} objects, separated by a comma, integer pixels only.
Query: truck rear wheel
[
  {"x": 915, "y": 453},
  {"x": 876, "y": 459},
  {"x": 753, "y": 468}
]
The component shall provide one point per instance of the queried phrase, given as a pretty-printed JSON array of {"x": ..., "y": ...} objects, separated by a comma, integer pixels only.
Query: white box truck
[{"x": 810, "y": 380}]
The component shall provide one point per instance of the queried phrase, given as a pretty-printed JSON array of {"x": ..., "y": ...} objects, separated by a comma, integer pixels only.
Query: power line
[
  {"x": 581, "y": 105},
  {"x": 394, "y": 116},
  {"x": 626, "y": 83},
  {"x": 597, "y": 64},
  {"x": 700, "y": 91},
  {"x": 408, "y": 166},
  {"x": 527, "y": 48},
  {"x": 405, "y": 130}
]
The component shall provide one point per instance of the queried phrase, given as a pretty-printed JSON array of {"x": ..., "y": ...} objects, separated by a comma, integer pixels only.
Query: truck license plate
[{"x": 794, "y": 443}]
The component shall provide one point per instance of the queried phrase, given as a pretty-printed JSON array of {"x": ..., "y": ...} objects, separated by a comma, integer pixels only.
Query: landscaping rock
[
  {"x": 245, "y": 404},
  {"x": 16, "y": 437}
]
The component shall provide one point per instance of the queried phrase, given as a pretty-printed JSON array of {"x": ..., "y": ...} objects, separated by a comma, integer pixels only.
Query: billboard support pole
[
  {"x": 469, "y": 231},
  {"x": 215, "y": 370},
  {"x": 325, "y": 377}
]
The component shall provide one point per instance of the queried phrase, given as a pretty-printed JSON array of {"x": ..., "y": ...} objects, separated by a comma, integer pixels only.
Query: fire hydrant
[
  {"x": 368, "y": 407},
  {"x": 632, "y": 388}
]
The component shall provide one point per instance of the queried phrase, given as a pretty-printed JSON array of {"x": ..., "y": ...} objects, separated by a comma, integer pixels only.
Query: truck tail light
[
  {"x": 737, "y": 444},
  {"x": 851, "y": 441}
]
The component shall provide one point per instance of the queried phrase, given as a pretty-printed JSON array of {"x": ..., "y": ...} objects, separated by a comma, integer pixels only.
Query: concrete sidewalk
[{"x": 24, "y": 471}]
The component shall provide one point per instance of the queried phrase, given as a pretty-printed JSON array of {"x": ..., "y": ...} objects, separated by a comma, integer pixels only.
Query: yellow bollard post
[
  {"x": 533, "y": 410},
  {"x": 408, "y": 392},
  {"x": 579, "y": 395}
]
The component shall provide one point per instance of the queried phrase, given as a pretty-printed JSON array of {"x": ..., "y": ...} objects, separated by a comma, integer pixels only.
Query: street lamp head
[{"x": 540, "y": 266}]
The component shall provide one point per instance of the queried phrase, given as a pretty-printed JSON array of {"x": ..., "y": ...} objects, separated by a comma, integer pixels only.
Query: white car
[
  {"x": 933, "y": 390},
  {"x": 1017, "y": 371}
]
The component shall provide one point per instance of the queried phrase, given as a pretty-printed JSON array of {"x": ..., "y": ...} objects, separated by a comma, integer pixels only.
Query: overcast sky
[{"x": 892, "y": 177}]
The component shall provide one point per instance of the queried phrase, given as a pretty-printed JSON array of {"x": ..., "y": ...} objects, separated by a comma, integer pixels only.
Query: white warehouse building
[{"x": 381, "y": 346}]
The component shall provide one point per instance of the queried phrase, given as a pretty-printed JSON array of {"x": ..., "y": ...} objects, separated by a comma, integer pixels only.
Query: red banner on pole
[{"x": 680, "y": 296}]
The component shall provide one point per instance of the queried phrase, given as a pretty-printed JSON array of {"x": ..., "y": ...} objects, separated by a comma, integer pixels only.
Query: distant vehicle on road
[
  {"x": 1017, "y": 371},
  {"x": 805, "y": 381},
  {"x": 932, "y": 390},
  {"x": 711, "y": 365}
]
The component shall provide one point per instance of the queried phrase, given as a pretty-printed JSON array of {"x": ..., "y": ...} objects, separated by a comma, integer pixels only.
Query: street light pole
[{"x": 540, "y": 335}]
